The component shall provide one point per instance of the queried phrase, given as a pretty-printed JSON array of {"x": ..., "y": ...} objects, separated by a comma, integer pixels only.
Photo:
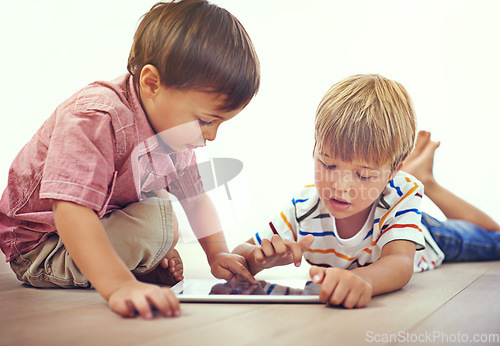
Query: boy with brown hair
[
  {"x": 87, "y": 202},
  {"x": 360, "y": 224}
]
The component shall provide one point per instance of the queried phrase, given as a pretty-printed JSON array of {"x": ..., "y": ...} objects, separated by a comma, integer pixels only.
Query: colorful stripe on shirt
[{"x": 398, "y": 190}]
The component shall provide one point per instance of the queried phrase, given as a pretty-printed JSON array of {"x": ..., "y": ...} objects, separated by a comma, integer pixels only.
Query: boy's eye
[
  {"x": 205, "y": 123},
  {"x": 328, "y": 166},
  {"x": 362, "y": 177}
]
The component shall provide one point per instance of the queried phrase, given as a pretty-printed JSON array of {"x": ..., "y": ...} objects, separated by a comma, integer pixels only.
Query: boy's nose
[
  {"x": 341, "y": 187},
  {"x": 341, "y": 191},
  {"x": 210, "y": 134},
  {"x": 341, "y": 182}
]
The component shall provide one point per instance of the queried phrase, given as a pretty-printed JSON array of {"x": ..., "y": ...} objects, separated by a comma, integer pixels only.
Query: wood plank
[
  {"x": 81, "y": 317},
  {"x": 95, "y": 324},
  {"x": 4, "y": 266},
  {"x": 325, "y": 326},
  {"x": 473, "y": 313}
]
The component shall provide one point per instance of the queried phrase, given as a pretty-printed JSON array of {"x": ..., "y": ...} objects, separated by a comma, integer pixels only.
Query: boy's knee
[{"x": 149, "y": 226}]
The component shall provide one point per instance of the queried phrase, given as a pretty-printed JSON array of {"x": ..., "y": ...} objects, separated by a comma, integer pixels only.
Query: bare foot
[
  {"x": 173, "y": 262},
  {"x": 168, "y": 272},
  {"x": 421, "y": 161}
]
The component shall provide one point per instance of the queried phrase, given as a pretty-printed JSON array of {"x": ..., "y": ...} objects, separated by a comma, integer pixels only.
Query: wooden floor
[{"x": 455, "y": 304}]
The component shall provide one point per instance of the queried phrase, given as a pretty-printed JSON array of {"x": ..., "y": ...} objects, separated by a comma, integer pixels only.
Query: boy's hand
[
  {"x": 279, "y": 251},
  {"x": 341, "y": 287},
  {"x": 134, "y": 296},
  {"x": 230, "y": 267}
]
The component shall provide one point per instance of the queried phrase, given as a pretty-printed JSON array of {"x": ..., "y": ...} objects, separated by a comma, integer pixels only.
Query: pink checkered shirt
[{"x": 97, "y": 150}]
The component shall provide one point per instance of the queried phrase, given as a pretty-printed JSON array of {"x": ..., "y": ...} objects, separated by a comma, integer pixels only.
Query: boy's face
[
  {"x": 348, "y": 189},
  {"x": 185, "y": 119}
]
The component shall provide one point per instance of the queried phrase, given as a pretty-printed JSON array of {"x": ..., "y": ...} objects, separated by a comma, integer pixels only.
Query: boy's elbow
[
  {"x": 401, "y": 255},
  {"x": 406, "y": 271}
]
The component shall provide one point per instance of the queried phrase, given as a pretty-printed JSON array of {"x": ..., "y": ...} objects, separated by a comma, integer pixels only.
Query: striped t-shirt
[{"x": 394, "y": 216}]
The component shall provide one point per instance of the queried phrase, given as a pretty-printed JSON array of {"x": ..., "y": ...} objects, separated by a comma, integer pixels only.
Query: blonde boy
[
  {"x": 362, "y": 213},
  {"x": 87, "y": 202}
]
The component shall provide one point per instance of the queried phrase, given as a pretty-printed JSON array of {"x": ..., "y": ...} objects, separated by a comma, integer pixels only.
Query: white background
[{"x": 444, "y": 52}]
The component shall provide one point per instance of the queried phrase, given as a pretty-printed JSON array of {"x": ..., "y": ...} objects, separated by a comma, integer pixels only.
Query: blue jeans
[{"x": 462, "y": 241}]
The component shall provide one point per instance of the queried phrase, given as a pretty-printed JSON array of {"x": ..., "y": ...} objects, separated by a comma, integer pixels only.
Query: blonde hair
[
  {"x": 197, "y": 45},
  {"x": 367, "y": 117}
]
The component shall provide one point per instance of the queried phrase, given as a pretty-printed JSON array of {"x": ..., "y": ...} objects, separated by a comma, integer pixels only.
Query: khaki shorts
[{"x": 141, "y": 234}]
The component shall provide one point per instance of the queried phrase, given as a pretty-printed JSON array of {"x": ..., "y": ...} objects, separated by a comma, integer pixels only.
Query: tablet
[{"x": 221, "y": 291}]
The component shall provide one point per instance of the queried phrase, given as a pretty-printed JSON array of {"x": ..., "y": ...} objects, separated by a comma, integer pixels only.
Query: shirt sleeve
[
  {"x": 285, "y": 224},
  {"x": 80, "y": 159},
  {"x": 403, "y": 220}
]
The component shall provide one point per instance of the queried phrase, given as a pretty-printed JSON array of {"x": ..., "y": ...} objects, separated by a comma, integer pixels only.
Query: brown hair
[
  {"x": 366, "y": 117},
  {"x": 197, "y": 45}
]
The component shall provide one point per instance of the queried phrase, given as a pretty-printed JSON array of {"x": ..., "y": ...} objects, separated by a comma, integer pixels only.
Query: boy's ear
[{"x": 149, "y": 81}]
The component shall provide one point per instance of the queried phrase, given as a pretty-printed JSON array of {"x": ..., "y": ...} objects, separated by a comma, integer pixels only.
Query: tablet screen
[{"x": 212, "y": 290}]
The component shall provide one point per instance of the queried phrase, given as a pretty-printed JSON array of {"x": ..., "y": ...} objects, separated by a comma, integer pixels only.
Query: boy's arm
[
  {"x": 205, "y": 223},
  {"x": 393, "y": 270},
  {"x": 88, "y": 245},
  {"x": 354, "y": 288}
]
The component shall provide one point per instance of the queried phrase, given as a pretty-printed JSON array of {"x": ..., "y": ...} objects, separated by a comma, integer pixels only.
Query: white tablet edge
[{"x": 229, "y": 298}]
